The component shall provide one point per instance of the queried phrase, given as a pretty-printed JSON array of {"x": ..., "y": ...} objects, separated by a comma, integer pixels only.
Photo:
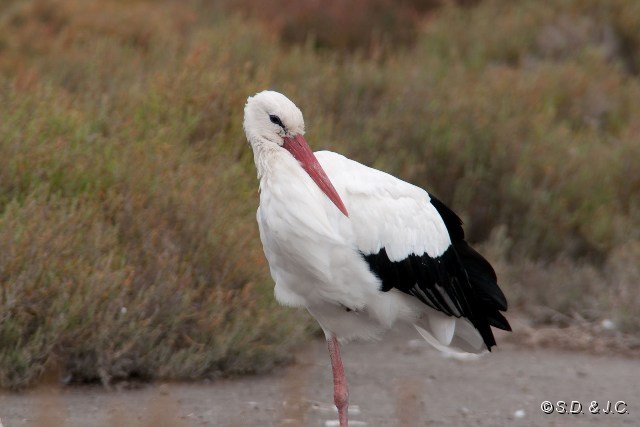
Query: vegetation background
[{"x": 128, "y": 244}]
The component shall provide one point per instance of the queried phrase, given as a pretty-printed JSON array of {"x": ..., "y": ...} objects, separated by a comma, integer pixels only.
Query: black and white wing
[{"x": 414, "y": 243}]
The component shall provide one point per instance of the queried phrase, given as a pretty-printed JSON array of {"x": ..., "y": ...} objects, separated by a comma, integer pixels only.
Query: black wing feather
[{"x": 459, "y": 283}]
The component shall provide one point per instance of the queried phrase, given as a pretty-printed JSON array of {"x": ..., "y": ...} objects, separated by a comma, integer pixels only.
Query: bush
[
  {"x": 128, "y": 244},
  {"x": 128, "y": 248}
]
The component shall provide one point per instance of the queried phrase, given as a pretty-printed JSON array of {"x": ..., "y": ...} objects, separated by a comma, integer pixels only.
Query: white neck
[{"x": 264, "y": 154}]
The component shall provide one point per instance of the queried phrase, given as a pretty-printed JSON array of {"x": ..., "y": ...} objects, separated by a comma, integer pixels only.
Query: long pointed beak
[{"x": 301, "y": 151}]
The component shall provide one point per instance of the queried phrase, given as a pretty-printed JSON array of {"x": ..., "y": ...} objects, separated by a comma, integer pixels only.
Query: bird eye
[{"x": 276, "y": 120}]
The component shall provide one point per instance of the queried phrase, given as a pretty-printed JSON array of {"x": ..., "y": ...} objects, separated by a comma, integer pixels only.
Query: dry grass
[
  {"x": 127, "y": 192},
  {"x": 126, "y": 244}
]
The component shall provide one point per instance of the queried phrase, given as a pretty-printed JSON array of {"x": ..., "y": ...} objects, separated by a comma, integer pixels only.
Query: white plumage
[
  {"x": 314, "y": 251},
  {"x": 361, "y": 249}
]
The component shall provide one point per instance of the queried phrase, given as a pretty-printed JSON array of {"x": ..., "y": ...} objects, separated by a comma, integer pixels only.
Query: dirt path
[{"x": 399, "y": 382}]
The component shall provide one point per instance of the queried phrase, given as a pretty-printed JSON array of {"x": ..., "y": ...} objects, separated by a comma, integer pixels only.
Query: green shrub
[{"x": 128, "y": 244}]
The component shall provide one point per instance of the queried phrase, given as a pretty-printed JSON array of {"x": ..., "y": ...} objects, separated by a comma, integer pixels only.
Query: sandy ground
[{"x": 397, "y": 382}]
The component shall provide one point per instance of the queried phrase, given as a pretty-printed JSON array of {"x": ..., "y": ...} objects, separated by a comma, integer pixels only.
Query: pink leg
[{"x": 340, "y": 389}]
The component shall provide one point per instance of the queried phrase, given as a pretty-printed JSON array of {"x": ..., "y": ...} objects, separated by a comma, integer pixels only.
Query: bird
[{"x": 362, "y": 250}]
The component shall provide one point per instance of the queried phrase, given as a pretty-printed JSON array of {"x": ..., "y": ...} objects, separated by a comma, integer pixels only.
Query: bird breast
[{"x": 308, "y": 245}]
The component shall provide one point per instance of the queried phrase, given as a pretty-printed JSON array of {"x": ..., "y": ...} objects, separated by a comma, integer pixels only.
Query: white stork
[{"x": 361, "y": 249}]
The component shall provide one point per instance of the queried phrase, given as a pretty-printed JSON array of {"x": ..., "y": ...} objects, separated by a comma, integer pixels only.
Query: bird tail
[
  {"x": 450, "y": 335},
  {"x": 486, "y": 300}
]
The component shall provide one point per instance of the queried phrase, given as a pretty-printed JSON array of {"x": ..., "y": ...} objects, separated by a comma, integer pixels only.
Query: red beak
[{"x": 300, "y": 150}]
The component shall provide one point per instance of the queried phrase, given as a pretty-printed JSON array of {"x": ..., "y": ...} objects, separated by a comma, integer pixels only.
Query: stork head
[{"x": 271, "y": 119}]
